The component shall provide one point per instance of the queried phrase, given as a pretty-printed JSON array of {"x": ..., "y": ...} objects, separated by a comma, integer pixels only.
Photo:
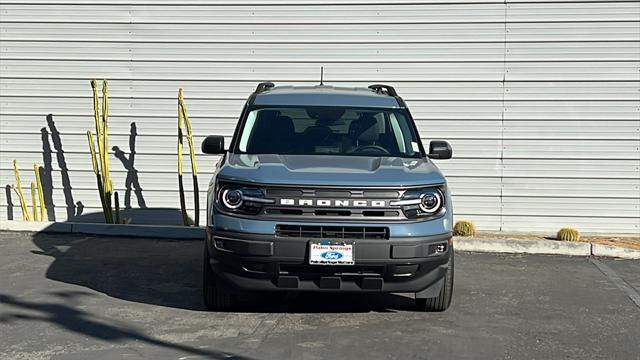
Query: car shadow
[{"x": 168, "y": 273}]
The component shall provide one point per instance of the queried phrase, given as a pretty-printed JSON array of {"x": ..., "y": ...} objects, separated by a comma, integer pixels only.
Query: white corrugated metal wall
[{"x": 540, "y": 99}]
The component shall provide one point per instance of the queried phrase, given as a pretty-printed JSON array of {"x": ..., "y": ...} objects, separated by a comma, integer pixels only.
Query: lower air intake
[{"x": 332, "y": 232}]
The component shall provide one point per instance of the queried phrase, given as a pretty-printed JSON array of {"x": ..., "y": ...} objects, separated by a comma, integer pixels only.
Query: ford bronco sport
[{"x": 327, "y": 189}]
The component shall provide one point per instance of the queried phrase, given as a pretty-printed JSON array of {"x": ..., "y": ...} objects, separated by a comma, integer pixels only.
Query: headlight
[
  {"x": 240, "y": 199},
  {"x": 426, "y": 202},
  {"x": 232, "y": 198},
  {"x": 430, "y": 202}
]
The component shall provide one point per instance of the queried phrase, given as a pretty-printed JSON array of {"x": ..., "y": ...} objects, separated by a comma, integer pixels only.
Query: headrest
[
  {"x": 369, "y": 135},
  {"x": 365, "y": 129},
  {"x": 325, "y": 116},
  {"x": 264, "y": 115},
  {"x": 265, "y": 120},
  {"x": 317, "y": 135},
  {"x": 284, "y": 124}
]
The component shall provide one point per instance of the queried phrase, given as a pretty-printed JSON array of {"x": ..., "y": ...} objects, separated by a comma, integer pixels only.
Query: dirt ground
[{"x": 627, "y": 241}]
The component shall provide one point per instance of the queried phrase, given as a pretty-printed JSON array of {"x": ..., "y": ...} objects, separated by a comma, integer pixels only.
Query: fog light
[
  {"x": 254, "y": 266},
  {"x": 405, "y": 270},
  {"x": 441, "y": 248}
]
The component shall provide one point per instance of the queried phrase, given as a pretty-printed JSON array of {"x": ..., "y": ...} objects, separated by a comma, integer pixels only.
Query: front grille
[
  {"x": 332, "y": 232},
  {"x": 332, "y": 204}
]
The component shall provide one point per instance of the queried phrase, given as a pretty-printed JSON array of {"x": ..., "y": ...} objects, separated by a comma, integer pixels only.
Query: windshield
[{"x": 328, "y": 131}]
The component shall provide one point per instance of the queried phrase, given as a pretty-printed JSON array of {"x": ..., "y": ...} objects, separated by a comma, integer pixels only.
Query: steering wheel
[{"x": 365, "y": 148}]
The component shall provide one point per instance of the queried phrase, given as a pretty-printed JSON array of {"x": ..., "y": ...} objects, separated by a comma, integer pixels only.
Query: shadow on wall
[
  {"x": 52, "y": 144},
  {"x": 47, "y": 182},
  {"x": 7, "y": 194},
  {"x": 46, "y": 175},
  {"x": 132, "y": 173}
]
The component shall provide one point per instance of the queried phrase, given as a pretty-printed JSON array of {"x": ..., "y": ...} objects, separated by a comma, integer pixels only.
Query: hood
[{"x": 325, "y": 170}]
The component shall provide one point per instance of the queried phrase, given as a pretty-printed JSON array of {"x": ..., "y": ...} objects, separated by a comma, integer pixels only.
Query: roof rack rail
[
  {"x": 383, "y": 89},
  {"x": 263, "y": 86}
]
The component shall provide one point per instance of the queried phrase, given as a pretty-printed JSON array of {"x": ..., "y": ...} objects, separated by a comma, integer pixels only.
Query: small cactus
[
  {"x": 568, "y": 234},
  {"x": 464, "y": 228}
]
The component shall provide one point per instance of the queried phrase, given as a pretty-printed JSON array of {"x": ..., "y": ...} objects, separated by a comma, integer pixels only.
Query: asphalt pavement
[{"x": 89, "y": 297}]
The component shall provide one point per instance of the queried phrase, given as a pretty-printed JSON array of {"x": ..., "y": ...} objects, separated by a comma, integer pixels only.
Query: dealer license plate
[{"x": 330, "y": 253}]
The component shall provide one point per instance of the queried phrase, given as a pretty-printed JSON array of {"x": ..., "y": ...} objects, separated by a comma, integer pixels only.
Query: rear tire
[
  {"x": 215, "y": 295},
  {"x": 443, "y": 300}
]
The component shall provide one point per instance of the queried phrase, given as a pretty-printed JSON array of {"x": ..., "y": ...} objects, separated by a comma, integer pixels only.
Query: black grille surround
[{"x": 333, "y": 232}]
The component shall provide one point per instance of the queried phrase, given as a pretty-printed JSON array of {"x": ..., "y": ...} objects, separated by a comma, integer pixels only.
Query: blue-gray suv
[{"x": 327, "y": 189}]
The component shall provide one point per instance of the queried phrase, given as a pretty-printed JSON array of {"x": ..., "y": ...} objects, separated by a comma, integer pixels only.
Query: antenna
[{"x": 321, "y": 74}]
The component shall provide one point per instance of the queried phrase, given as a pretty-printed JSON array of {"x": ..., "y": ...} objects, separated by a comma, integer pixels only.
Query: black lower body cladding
[{"x": 259, "y": 262}]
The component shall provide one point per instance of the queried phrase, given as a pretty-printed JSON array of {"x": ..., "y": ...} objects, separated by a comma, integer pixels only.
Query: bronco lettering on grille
[{"x": 332, "y": 203}]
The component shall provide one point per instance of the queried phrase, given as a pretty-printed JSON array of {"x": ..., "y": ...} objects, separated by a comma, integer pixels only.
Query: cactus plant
[
  {"x": 464, "y": 228},
  {"x": 568, "y": 234},
  {"x": 185, "y": 124},
  {"x": 105, "y": 186}
]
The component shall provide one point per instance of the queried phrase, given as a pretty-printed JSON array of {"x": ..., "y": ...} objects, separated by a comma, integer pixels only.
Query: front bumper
[{"x": 266, "y": 262}]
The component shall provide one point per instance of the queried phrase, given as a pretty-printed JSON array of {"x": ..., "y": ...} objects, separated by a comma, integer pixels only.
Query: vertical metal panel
[
  {"x": 540, "y": 99},
  {"x": 571, "y": 124}
]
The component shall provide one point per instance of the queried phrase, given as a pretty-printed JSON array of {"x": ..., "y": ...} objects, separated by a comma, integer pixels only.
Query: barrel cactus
[
  {"x": 464, "y": 228},
  {"x": 568, "y": 234}
]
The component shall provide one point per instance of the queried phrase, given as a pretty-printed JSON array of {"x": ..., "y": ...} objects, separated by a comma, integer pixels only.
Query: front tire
[
  {"x": 215, "y": 295},
  {"x": 443, "y": 300}
]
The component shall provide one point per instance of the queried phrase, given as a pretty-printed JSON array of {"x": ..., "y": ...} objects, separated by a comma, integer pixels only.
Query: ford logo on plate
[{"x": 331, "y": 255}]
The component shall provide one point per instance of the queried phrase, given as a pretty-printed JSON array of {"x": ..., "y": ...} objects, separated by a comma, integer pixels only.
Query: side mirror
[
  {"x": 213, "y": 144},
  {"x": 439, "y": 149}
]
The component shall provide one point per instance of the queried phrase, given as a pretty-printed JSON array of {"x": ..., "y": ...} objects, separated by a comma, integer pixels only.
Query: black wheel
[
  {"x": 443, "y": 300},
  {"x": 215, "y": 295}
]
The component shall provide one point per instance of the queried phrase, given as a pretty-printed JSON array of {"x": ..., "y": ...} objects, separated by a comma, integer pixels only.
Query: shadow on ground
[
  {"x": 63, "y": 314},
  {"x": 169, "y": 273}
]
